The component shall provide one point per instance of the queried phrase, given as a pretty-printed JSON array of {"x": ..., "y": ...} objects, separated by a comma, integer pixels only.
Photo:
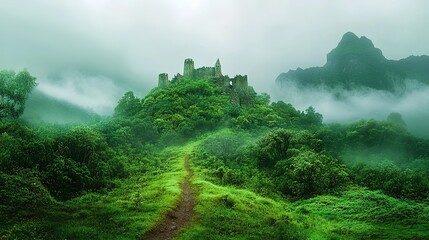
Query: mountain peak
[
  {"x": 351, "y": 46},
  {"x": 349, "y": 36},
  {"x": 350, "y": 39}
]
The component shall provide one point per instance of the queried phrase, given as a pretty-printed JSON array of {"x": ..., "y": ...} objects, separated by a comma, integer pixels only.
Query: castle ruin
[{"x": 237, "y": 87}]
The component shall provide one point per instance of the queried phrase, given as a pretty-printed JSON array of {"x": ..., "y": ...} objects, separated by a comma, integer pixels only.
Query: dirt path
[{"x": 180, "y": 216}]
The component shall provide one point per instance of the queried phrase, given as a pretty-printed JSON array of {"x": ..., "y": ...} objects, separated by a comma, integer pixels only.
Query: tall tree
[
  {"x": 128, "y": 105},
  {"x": 14, "y": 90}
]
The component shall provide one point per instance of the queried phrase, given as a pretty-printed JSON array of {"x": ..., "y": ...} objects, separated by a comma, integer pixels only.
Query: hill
[
  {"x": 43, "y": 108},
  {"x": 357, "y": 63}
]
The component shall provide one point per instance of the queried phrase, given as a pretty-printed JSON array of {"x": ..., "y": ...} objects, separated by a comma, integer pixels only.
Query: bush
[
  {"x": 23, "y": 191},
  {"x": 66, "y": 178},
  {"x": 308, "y": 173},
  {"x": 272, "y": 148},
  {"x": 392, "y": 180},
  {"x": 225, "y": 145}
]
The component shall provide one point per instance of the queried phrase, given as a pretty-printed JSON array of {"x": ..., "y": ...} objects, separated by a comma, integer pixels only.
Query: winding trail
[{"x": 180, "y": 216}]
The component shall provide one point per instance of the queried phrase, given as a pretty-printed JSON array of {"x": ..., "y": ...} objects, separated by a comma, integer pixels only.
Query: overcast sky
[{"x": 91, "y": 52}]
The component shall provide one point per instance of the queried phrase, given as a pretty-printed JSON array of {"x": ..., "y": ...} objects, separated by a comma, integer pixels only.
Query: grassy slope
[
  {"x": 225, "y": 212},
  {"x": 127, "y": 212},
  {"x": 362, "y": 214}
]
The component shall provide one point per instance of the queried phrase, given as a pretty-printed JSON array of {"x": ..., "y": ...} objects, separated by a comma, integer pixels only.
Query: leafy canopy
[{"x": 14, "y": 90}]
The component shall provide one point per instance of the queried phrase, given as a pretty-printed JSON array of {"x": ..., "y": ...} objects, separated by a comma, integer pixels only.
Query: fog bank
[{"x": 340, "y": 106}]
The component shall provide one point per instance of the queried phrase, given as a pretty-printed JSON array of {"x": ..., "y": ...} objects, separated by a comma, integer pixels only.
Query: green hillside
[
  {"x": 42, "y": 108},
  {"x": 262, "y": 171}
]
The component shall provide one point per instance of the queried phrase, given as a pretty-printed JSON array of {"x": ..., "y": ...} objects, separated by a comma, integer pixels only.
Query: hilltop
[
  {"x": 357, "y": 63},
  {"x": 237, "y": 87}
]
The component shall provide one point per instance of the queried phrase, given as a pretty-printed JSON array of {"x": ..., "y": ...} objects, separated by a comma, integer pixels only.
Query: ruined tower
[
  {"x": 163, "y": 80},
  {"x": 240, "y": 82},
  {"x": 218, "y": 69},
  {"x": 188, "y": 68}
]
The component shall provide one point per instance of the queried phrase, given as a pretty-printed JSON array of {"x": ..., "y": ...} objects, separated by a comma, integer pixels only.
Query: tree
[
  {"x": 273, "y": 147},
  {"x": 128, "y": 105},
  {"x": 396, "y": 119},
  {"x": 14, "y": 90},
  {"x": 311, "y": 117}
]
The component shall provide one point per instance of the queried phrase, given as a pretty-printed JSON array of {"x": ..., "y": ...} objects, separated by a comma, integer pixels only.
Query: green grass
[
  {"x": 230, "y": 213},
  {"x": 362, "y": 214},
  {"x": 126, "y": 212},
  {"x": 226, "y": 212}
]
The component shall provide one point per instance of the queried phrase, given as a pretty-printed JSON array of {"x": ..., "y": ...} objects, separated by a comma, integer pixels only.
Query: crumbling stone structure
[
  {"x": 237, "y": 87},
  {"x": 163, "y": 80}
]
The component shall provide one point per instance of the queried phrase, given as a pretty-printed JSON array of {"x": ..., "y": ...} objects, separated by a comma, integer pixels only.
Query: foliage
[
  {"x": 128, "y": 133},
  {"x": 308, "y": 173},
  {"x": 233, "y": 212},
  {"x": 128, "y": 105},
  {"x": 381, "y": 155},
  {"x": 278, "y": 114},
  {"x": 396, "y": 118},
  {"x": 69, "y": 163},
  {"x": 225, "y": 144},
  {"x": 392, "y": 180},
  {"x": 14, "y": 90},
  {"x": 185, "y": 107},
  {"x": 23, "y": 191},
  {"x": 126, "y": 212},
  {"x": 273, "y": 148}
]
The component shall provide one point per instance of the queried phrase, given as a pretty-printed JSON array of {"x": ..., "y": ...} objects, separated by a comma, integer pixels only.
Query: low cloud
[
  {"x": 348, "y": 106},
  {"x": 95, "y": 92}
]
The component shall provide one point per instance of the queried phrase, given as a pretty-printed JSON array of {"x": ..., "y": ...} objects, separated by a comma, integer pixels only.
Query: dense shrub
[
  {"x": 226, "y": 145},
  {"x": 392, "y": 180},
  {"x": 68, "y": 162},
  {"x": 297, "y": 163},
  {"x": 24, "y": 191},
  {"x": 308, "y": 173},
  {"x": 186, "y": 107},
  {"x": 273, "y": 147}
]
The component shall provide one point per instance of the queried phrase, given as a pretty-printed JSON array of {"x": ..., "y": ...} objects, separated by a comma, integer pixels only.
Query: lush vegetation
[
  {"x": 14, "y": 90},
  {"x": 267, "y": 171}
]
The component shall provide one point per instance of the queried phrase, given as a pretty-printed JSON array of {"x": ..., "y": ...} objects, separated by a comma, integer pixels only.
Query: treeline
[
  {"x": 379, "y": 155},
  {"x": 65, "y": 161}
]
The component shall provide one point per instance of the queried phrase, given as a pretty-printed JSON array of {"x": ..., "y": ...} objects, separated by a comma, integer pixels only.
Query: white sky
[{"x": 116, "y": 46}]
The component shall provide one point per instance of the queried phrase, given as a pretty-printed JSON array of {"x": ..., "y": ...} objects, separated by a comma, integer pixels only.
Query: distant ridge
[
  {"x": 43, "y": 108},
  {"x": 357, "y": 63}
]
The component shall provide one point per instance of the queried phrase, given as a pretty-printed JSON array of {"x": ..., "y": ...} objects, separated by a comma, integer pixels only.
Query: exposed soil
[{"x": 180, "y": 216}]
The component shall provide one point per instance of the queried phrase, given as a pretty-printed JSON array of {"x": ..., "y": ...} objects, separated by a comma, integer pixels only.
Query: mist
[
  {"x": 126, "y": 44},
  {"x": 341, "y": 106}
]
